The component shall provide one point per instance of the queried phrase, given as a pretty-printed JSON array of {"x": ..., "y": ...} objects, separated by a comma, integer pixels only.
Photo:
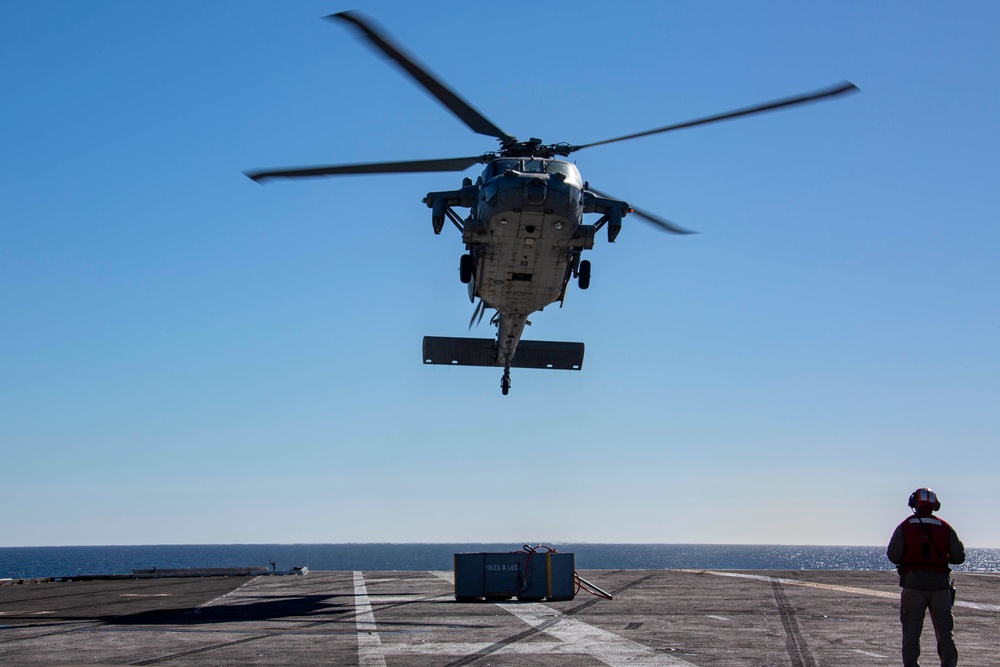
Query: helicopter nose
[{"x": 534, "y": 192}]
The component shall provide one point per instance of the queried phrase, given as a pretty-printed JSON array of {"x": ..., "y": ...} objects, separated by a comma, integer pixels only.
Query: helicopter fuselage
[{"x": 524, "y": 233}]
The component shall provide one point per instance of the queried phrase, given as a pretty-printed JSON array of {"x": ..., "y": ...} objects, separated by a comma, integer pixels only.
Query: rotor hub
[{"x": 511, "y": 147}]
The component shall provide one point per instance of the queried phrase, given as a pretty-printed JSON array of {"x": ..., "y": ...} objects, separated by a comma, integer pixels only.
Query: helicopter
[{"x": 524, "y": 233}]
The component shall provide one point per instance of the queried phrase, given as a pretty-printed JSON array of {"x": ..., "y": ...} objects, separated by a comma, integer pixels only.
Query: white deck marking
[
  {"x": 576, "y": 637},
  {"x": 981, "y": 606},
  {"x": 870, "y": 654},
  {"x": 224, "y": 595},
  {"x": 718, "y": 618},
  {"x": 526, "y": 648},
  {"x": 370, "y": 653},
  {"x": 796, "y": 582}
]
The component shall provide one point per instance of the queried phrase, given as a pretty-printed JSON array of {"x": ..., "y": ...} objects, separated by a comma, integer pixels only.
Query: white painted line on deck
[
  {"x": 870, "y": 654},
  {"x": 718, "y": 618},
  {"x": 981, "y": 606},
  {"x": 550, "y": 648},
  {"x": 833, "y": 587},
  {"x": 370, "y": 653},
  {"x": 578, "y": 637},
  {"x": 224, "y": 596},
  {"x": 467, "y": 648},
  {"x": 797, "y": 582}
]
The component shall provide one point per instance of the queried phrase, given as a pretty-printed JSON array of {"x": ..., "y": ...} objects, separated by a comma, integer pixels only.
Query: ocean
[{"x": 25, "y": 562}]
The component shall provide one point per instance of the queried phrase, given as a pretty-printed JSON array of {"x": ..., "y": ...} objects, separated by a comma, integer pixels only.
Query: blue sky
[{"x": 190, "y": 357}]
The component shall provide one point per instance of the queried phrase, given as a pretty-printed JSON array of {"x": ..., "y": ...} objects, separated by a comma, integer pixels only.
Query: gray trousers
[{"x": 912, "y": 604}]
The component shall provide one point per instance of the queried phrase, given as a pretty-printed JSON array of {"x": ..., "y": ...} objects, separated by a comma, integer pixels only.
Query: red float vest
[{"x": 925, "y": 547}]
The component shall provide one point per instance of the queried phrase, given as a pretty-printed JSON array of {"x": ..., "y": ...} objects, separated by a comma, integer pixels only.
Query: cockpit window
[
  {"x": 498, "y": 167},
  {"x": 534, "y": 166},
  {"x": 566, "y": 169}
]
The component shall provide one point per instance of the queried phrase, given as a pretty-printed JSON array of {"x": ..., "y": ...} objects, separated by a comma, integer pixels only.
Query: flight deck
[{"x": 708, "y": 618}]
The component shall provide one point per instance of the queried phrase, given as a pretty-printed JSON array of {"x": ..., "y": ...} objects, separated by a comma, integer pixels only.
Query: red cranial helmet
[{"x": 924, "y": 498}]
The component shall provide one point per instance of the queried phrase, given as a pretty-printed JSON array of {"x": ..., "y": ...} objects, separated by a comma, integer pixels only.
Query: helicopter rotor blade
[
  {"x": 832, "y": 91},
  {"x": 478, "y": 312},
  {"x": 447, "y": 164},
  {"x": 663, "y": 224},
  {"x": 476, "y": 121},
  {"x": 660, "y": 222}
]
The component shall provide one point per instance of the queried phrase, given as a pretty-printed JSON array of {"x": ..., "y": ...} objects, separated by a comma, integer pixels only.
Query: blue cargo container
[{"x": 524, "y": 575}]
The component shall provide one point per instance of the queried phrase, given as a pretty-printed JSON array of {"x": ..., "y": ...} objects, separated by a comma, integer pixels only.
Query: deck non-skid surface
[{"x": 371, "y": 619}]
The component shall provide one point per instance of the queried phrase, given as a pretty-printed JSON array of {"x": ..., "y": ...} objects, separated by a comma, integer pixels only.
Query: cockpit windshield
[
  {"x": 566, "y": 169},
  {"x": 534, "y": 165},
  {"x": 498, "y": 167}
]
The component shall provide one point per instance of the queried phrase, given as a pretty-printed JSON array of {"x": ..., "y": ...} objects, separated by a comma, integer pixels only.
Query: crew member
[{"x": 922, "y": 547}]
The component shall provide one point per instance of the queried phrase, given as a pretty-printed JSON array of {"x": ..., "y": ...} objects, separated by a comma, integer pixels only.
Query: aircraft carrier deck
[{"x": 657, "y": 617}]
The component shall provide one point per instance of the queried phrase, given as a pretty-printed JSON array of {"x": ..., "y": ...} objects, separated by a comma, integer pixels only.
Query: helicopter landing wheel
[
  {"x": 584, "y": 274},
  {"x": 465, "y": 269},
  {"x": 505, "y": 381}
]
